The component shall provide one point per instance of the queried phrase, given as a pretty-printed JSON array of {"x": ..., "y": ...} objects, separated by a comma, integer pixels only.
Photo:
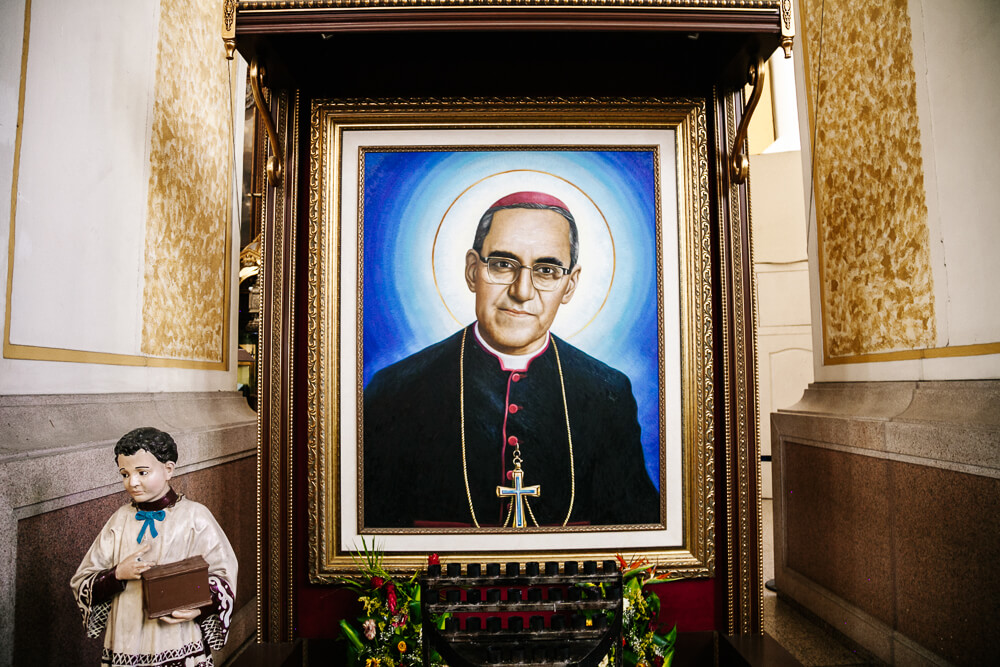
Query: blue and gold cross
[{"x": 517, "y": 493}]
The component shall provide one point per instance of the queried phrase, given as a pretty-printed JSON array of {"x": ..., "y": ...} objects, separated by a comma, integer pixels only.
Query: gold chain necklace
[{"x": 517, "y": 454}]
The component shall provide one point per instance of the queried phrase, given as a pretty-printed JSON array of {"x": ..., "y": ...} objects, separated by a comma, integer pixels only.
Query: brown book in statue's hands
[{"x": 173, "y": 586}]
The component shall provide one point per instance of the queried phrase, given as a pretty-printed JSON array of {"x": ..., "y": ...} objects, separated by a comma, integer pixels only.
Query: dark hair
[
  {"x": 153, "y": 440},
  {"x": 487, "y": 220}
]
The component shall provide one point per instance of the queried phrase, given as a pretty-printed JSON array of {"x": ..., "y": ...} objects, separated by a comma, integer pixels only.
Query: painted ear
[
  {"x": 471, "y": 266},
  {"x": 571, "y": 281},
  {"x": 169, "y": 468}
]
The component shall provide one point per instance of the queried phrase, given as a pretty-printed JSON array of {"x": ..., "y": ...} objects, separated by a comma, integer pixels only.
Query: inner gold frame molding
[{"x": 328, "y": 558}]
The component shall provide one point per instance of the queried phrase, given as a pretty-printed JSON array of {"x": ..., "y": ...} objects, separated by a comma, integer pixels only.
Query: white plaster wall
[
  {"x": 84, "y": 174},
  {"x": 778, "y": 227},
  {"x": 955, "y": 52},
  {"x": 82, "y": 194}
]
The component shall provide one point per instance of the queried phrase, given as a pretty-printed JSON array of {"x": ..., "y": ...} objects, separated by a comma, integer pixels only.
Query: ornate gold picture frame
[{"x": 392, "y": 184}]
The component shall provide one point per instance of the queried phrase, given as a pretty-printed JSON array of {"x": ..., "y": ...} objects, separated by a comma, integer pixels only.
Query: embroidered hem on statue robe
[
  {"x": 412, "y": 446},
  {"x": 188, "y": 529}
]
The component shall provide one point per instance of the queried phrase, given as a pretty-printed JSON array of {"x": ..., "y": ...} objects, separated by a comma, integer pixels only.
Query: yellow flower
[
  {"x": 401, "y": 646},
  {"x": 372, "y": 662}
]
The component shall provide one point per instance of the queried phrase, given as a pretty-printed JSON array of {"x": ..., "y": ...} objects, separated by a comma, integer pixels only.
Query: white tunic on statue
[{"x": 188, "y": 529}]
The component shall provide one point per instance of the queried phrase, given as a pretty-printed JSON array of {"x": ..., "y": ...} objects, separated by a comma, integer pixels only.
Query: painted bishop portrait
[{"x": 503, "y": 424}]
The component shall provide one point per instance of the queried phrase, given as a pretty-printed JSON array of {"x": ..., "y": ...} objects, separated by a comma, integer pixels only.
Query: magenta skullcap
[{"x": 529, "y": 198}]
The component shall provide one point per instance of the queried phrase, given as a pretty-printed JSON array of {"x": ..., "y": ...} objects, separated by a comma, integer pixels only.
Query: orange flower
[{"x": 401, "y": 646}]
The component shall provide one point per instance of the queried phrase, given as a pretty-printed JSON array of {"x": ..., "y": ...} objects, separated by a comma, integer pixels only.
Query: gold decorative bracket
[
  {"x": 739, "y": 165},
  {"x": 275, "y": 160},
  {"x": 229, "y": 27},
  {"x": 787, "y": 27}
]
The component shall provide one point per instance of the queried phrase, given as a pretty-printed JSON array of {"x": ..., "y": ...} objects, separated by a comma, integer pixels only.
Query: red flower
[
  {"x": 377, "y": 582},
  {"x": 433, "y": 560},
  {"x": 391, "y": 594}
]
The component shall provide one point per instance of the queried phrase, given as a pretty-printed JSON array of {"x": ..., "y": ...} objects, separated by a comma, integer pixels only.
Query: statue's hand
[
  {"x": 132, "y": 565},
  {"x": 180, "y": 616}
]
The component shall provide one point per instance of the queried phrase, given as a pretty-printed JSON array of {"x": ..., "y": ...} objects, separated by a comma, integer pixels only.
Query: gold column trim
[
  {"x": 742, "y": 461},
  {"x": 739, "y": 165},
  {"x": 229, "y": 27},
  {"x": 277, "y": 394},
  {"x": 787, "y": 27},
  {"x": 275, "y": 160}
]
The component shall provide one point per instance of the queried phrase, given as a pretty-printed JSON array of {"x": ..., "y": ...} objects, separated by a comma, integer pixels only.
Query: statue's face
[
  {"x": 515, "y": 318},
  {"x": 145, "y": 477}
]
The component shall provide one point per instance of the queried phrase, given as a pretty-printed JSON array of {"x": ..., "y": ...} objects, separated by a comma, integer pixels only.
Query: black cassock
[{"x": 412, "y": 446}]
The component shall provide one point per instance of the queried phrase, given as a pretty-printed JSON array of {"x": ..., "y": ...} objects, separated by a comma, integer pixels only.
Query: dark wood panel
[{"x": 438, "y": 64}]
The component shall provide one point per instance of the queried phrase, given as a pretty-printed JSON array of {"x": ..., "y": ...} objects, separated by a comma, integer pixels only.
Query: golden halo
[{"x": 466, "y": 191}]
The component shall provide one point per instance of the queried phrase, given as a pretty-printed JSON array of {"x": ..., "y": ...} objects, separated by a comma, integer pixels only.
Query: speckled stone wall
[
  {"x": 886, "y": 512},
  {"x": 184, "y": 298},
  {"x": 905, "y": 543},
  {"x": 876, "y": 277}
]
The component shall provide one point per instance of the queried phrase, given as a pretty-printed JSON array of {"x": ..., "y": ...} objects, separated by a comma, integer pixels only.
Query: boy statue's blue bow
[{"x": 149, "y": 518}]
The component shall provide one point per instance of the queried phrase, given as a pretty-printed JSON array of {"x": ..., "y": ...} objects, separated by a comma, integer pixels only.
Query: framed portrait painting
[{"x": 510, "y": 331}]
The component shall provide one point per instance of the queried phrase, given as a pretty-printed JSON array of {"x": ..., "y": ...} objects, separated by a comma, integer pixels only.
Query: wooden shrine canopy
[
  {"x": 718, "y": 37},
  {"x": 419, "y": 53}
]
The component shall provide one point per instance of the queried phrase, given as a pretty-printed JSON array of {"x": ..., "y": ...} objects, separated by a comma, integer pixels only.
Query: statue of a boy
[{"x": 157, "y": 526}]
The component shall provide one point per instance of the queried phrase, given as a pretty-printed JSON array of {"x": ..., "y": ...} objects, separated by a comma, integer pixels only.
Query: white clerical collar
[{"x": 511, "y": 362}]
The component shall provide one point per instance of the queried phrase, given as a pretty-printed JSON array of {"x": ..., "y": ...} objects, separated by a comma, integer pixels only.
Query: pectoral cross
[{"x": 517, "y": 494}]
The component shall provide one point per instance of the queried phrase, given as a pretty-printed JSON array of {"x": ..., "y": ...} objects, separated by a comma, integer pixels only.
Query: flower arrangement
[
  {"x": 641, "y": 643},
  {"x": 387, "y": 634}
]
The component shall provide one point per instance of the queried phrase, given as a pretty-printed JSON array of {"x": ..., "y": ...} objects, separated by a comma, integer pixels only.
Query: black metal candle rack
[{"x": 541, "y": 616}]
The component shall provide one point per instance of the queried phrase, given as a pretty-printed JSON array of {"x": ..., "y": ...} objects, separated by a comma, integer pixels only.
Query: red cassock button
[
  {"x": 516, "y": 377},
  {"x": 512, "y": 440},
  {"x": 510, "y": 474},
  {"x": 513, "y": 409}
]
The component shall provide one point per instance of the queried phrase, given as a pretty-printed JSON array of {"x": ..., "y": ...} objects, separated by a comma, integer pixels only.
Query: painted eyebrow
[{"x": 541, "y": 260}]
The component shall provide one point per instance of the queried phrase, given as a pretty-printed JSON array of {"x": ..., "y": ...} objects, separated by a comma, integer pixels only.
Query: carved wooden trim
[{"x": 743, "y": 569}]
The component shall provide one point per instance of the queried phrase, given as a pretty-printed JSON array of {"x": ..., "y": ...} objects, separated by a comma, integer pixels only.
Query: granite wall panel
[
  {"x": 48, "y": 629},
  {"x": 838, "y": 524},
  {"x": 946, "y": 544}
]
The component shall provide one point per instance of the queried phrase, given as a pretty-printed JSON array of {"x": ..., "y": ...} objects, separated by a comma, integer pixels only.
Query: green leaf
[
  {"x": 653, "y": 600},
  {"x": 352, "y": 636},
  {"x": 636, "y": 570},
  {"x": 415, "y": 612}
]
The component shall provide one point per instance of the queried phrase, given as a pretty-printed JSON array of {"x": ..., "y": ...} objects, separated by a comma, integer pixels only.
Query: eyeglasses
[{"x": 504, "y": 271}]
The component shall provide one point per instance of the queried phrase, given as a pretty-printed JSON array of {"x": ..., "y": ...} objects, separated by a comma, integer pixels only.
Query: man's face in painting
[{"x": 515, "y": 318}]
